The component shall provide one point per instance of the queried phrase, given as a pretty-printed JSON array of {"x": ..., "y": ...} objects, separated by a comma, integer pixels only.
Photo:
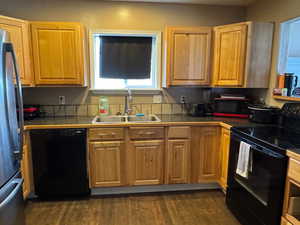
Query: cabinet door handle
[{"x": 147, "y": 133}]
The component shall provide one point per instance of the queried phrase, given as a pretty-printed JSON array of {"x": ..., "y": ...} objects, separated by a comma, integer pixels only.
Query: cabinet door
[
  {"x": 225, "y": 146},
  {"x": 188, "y": 58},
  {"x": 57, "y": 53},
  {"x": 26, "y": 167},
  {"x": 19, "y": 35},
  {"x": 146, "y": 162},
  {"x": 178, "y": 161},
  {"x": 107, "y": 163},
  {"x": 284, "y": 221},
  {"x": 230, "y": 55},
  {"x": 205, "y": 154}
]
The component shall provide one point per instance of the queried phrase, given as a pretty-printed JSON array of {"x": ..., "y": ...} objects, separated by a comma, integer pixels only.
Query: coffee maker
[{"x": 290, "y": 83}]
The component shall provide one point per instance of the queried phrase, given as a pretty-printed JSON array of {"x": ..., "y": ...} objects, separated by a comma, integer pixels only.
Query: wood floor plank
[{"x": 191, "y": 208}]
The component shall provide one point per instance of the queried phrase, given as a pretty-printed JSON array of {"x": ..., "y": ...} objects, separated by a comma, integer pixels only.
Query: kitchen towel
[{"x": 243, "y": 160}]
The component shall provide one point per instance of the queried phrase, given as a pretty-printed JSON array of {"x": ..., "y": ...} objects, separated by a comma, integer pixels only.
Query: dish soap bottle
[{"x": 103, "y": 106}]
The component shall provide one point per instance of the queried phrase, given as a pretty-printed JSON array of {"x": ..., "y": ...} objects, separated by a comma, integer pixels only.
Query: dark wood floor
[{"x": 192, "y": 208}]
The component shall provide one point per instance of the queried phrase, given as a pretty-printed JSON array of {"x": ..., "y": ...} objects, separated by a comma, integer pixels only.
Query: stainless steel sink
[
  {"x": 125, "y": 119},
  {"x": 110, "y": 119},
  {"x": 146, "y": 118}
]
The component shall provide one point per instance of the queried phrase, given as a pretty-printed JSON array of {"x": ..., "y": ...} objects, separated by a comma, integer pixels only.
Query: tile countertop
[{"x": 69, "y": 122}]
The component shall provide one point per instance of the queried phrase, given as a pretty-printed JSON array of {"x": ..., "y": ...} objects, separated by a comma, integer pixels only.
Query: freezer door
[
  {"x": 11, "y": 203},
  {"x": 10, "y": 135}
]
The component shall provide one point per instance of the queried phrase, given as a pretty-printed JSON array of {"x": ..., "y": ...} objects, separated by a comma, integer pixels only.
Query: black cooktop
[{"x": 274, "y": 136}]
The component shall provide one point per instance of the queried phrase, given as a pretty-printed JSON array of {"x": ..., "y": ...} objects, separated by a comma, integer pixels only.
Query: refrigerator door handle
[
  {"x": 8, "y": 47},
  {"x": 15, "y": 185}
]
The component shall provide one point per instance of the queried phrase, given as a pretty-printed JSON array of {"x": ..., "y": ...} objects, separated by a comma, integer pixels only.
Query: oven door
[{"x": 258, "y": 198}]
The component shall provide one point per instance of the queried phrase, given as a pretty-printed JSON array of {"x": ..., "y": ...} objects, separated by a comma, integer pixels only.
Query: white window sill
[{"x": 153, "y": 91}]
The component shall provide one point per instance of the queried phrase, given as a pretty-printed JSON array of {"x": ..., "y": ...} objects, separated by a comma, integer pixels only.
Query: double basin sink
[{"x": 125, "y": 119}]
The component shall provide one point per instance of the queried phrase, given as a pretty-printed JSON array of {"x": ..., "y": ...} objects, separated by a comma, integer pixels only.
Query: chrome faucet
[{"x": 128, "y": 99}]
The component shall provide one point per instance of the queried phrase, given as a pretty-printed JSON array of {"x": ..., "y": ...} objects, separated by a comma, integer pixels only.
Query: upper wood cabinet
[
  {"x": 225, "y": 146},
  {"x": 242, "y": 55},
  {"x": 58, "y": 53},
  {"x": 20, "y": 38},
  {"x": 205, "y": 154},
  {"x": 188, "y": 55}
]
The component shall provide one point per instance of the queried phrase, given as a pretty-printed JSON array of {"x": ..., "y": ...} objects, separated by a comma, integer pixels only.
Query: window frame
[
  {"x": 284, "y": 40},
  {"x": 133, "y": 33}
]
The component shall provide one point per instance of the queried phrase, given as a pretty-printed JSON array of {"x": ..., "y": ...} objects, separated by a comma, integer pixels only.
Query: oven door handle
[
  {"x": 267, "y": 152},
  {"x": 258, "y": 148}
]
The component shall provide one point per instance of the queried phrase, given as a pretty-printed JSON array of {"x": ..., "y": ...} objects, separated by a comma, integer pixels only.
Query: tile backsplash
[{"x": 93, "y": 109}]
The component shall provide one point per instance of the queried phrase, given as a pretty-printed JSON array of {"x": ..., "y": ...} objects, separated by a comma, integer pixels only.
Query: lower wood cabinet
[
  {"x": 146, "y": 162},
  {"x": 205, "y": 154},
  {"x": 285, "y": 222},
  {"x": 178, "y": 161},
  {"x": 225, "y": 147},
  {"x": 26, "y": 167},
  {"x": 174, "y": 155},
  {"x": 107, "y": 163}
]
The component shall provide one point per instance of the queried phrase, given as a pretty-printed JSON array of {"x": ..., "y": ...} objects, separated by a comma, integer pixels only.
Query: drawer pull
[
  {"x": 147, "y": 133},
  {"x": 107, "y": 134}
]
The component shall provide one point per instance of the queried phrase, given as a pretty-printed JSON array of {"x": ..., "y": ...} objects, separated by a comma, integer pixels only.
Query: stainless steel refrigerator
[{"x": 11, "y": 136}]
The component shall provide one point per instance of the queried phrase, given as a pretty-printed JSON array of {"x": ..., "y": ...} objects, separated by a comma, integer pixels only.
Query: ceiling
[{"x": 206, "y": 2}]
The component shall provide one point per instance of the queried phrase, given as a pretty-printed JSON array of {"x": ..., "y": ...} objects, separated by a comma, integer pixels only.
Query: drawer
[
  {"x": 106, "y": 133},
  {"x": 294, "y": 170},
  {"x": 146, "y": 133},
  {"x": 179, "y": 132}
]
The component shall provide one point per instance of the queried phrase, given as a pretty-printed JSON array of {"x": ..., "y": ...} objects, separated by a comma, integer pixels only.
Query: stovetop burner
[{"x": 275, "y": 136}]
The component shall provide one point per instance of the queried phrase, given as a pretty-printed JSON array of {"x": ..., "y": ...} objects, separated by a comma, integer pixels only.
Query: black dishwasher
[{"x": 59, "y": 158}]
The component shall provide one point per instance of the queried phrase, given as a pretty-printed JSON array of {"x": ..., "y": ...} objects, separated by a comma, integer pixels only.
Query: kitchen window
[
  {"x": 122, "y": 60},
  {"x": 289, "y": 55}
]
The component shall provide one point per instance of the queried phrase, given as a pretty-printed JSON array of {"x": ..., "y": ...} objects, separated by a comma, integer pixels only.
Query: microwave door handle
[{"x": 8, "y": 48}]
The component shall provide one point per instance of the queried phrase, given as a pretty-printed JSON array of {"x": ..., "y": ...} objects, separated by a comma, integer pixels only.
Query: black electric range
[
  {"x": 275, "y": 137},
  {"x": 263, "y": 188}
]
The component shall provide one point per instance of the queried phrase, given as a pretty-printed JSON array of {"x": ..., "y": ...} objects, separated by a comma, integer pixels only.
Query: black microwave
[{"x": 230, "y": 107}]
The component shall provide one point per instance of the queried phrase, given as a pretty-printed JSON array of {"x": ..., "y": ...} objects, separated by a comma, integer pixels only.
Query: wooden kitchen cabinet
[
  {"x": 26, "y": 167},
  {"x": 58, "y": 53},
  {"x": 178, "y": 163},
  {"x": 205, "y": 154},
  {"x": 225, "y": 147},
  {"x": 242, "y": 55},
  {"x": 285, "y": 222},
  {"x": 291, "y": 205},
  {"x": 20, "y": 38},
  {"x": 178, "y": 157},
  {"x": 107, "y": 163},
  {"x": 146, "y": 162},
  {"x": 188, "y": 55}
]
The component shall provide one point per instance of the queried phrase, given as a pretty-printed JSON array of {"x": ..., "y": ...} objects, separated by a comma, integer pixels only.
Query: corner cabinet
[
  {"x": 188, "y": 56},
  {"x": 20, "y": 38},
  {"x": 58, "y": 53},
  {"x": 242, "y": 55}
]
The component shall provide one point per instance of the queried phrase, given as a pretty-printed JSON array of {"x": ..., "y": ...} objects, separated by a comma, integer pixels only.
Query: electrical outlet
[
  {"x": 61, "y": 100},
  {"x": 182, "y": 99},
  {"x": 157, "y": 99}
]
